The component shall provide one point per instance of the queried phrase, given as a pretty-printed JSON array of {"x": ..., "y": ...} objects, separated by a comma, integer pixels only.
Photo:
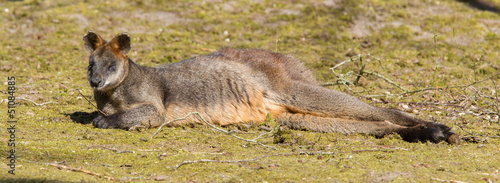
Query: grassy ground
[{"x": 440, "y": 56}]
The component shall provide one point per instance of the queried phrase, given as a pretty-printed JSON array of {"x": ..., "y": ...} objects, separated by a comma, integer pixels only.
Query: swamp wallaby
[{"x": 234, "y": 86}]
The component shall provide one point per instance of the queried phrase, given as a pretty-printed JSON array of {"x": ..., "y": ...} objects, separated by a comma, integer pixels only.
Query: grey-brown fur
[{"x": 234, "y": 86}]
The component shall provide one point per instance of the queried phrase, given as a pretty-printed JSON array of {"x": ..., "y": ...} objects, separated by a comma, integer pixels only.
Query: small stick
[
  {"x": 37, "y": 104},
  {"x": 214, "y": 127},
  {"x": 208, "y": 49},
  {"x": 385, "y": 79},
  {"x": 215, "y": 161},
  {"x": 433, "y": 88},
  {"x": 441, "y": 180},
  {"x": 171, "y": 121},
  {"x": 262, "y": 134},
  {"x": 247, "y": 160},
  {"x": 231, "y": 134},
  {"x": 423, "y": 103},
  {"x": 90, "y": 102},
  {"x": 80, "y": 170},
  {"x": 362, "y": 71},
  {"x": 496, "y": 97},
  {"x": 117, "y": 151}
]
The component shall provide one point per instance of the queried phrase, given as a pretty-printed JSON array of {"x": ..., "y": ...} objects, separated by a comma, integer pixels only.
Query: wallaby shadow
[
  {"x": 482, "y": 5},
  {"x": 83, "y": 117}
]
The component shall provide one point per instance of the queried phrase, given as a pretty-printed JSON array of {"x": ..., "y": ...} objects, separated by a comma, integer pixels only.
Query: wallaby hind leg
[
  {"x": 306, "y": 98},
  {"x": 416, "y": 133},
  {"x": 319, "y": 101}
]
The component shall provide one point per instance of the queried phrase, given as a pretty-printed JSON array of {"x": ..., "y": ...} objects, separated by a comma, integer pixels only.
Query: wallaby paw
[
  {"x": 101, "y": 122},
  {"x": 450, "y": 136},
  {"x": 432, "y": 132}
]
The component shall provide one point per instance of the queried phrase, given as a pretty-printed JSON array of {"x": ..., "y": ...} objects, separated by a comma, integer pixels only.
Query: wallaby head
[{"x": 108, "y": 62}]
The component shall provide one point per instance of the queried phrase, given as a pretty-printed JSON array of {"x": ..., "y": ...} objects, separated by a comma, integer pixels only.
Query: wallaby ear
[
  {"x": 121, "y": 43},
  {"x": 92, "y": 41}
]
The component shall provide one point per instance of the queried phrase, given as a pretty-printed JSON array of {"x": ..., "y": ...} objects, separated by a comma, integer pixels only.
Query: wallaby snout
[{"x": 95, "y": 82}]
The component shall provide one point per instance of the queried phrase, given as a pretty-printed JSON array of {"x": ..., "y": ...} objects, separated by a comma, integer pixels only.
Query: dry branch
[
  {"x": 435, "y": 88},
  {"x": 117, "y": 151},
  {"x": 384, "y": 148},
  {"x": 61, "y": 166},
  {"x": 216, "y": 128},
  {"x": 79, "y": 91},
  {"x": 247, "y": 160},
  {"x": 37, "y": 104},
  {"x": 496, "y": 98},
  {"x": 81, "y": 170},
  {"x": 171, "y": 121},
  {"x": 441, "y": 180},
  {"x": 216, "y": 161},
  {"x": 342, "y": 80},
  {"x": 489, "y": 111},
  {"x": 422, "y": 103}
]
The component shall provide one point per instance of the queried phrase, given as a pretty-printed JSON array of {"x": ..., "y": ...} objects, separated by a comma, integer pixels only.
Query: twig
[
  {"x": 496, "y": 103},
  {"x": 216, "y": 161},
  {"x": 366, "y": 146},
  {"x": 214, "y": 127},
  {"x": 137, "y": 127},
  {"x": 362, "y": 71},
  {"x": 262, "y": 134},
  {"x": 341, "y": 79},
  {"x": 60, "y": 166},
  {"x": 395, "y": 148},
  {"x": 117, "y": 151},
  {"x": 385, "y": 79},
  {"x": 316, "y": 153},
  {"x": 43, "y": 163},
  {"x": 422, "y": 103},
  {"x": 315, "y": 142},
  {"x": 231, "y": 134},
  {"x": 452, "y": 181},
  {"x": 37, "y": 104},
  {"x": 435, "y": 88},
  {"x": 208, "y": 49},
  {"x": 346, "y": 82},
  {"x": 91, "y": 102},
  {"x": 365, "y": 150},
  {"x": 80, "y": 170},
  {"x": 247, "y": 160},
  {"x": 171, "y": 121}
]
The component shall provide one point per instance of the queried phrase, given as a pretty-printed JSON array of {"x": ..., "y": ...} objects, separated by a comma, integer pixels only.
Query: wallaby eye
[
  {"x": 112, "y": 67},
  {"x": 91, "y": 63}
]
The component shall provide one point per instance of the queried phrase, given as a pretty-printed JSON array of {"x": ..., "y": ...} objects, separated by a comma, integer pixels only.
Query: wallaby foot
[
  {"x": 433, "y": 132},
  {"x": 102, "y": 121}
]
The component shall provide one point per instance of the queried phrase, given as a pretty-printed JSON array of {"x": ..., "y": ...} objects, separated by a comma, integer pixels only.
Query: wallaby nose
[{"x": 94, "y": 82}]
